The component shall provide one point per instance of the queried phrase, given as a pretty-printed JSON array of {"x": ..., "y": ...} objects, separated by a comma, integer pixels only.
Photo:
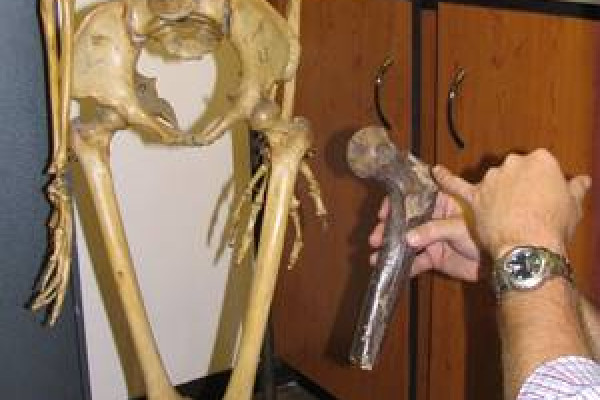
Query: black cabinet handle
[
  {"x": 452, "y": 94},
  {"x": 377, "y": 92}
]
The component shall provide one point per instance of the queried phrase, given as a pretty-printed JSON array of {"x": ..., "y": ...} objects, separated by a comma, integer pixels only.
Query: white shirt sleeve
[{"x": 566, "y": 378}]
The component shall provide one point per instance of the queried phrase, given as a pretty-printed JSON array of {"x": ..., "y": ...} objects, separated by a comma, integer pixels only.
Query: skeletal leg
[
  {"x": 248, "y": 237},
  {"x": 279, "y": 195},
  {"x": 91, "y": 145},
  {"x": 298, "y": 241},
  {"x": 314, "y": 191}
]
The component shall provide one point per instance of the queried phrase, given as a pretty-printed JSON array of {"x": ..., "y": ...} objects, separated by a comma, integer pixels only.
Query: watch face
[{"x": 525, "y": 268}]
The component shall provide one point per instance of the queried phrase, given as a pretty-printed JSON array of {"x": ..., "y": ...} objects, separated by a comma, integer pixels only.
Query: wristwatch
[{"x": 528, "y": 267}]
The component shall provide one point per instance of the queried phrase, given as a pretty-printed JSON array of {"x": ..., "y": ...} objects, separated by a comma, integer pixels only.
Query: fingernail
[
  {"x": 373, "y": 259},
  {"x": 412, "y": 238},
  {"x": 438, "y": 170},
  {"x": 373, "y": 240}
]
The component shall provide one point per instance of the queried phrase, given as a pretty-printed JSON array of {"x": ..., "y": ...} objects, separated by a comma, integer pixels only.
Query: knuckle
[
  {"x": 542, "y": 154},
  {"x": 476, "y": 197},
  {"x": 424, "y": 230},
  {"x": 490, "y": 173},
  {"x": 512, "y": 158}
]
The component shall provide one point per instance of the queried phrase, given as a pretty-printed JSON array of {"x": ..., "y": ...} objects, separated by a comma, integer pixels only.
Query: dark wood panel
[
  {"x": 530, "y": 82},
  {"x": 344, "y": 42},
  {"x": 427, "y": 153}
]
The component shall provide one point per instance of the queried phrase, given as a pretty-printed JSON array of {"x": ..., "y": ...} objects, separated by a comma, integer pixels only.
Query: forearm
[
  {"x": 528, "y": 203},
  {"x": 538, "y": 326},
  {"x": 590, "y": 319}
]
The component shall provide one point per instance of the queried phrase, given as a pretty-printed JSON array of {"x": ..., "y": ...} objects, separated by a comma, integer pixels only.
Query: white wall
[{"x": 169, "y": 198}]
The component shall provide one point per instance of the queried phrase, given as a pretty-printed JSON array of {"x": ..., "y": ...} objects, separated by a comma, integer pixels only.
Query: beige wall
[{"x": 171, "y": 199}]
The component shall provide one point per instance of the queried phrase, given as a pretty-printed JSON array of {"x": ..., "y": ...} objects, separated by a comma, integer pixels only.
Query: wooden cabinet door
[
  {"x": 344, "y": 42},
  {"x": 531, "y": 80}
]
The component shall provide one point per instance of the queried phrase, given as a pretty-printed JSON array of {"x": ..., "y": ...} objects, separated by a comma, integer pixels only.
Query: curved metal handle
[
  {"x": 377, "y": 92},
  {"x": 452, "y": 94}
]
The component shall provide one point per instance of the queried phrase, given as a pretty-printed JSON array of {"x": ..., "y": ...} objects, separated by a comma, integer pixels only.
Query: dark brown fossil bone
[{"x": 412, "y": 194}]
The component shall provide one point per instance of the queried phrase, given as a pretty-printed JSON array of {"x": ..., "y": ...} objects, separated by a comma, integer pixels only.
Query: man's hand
[
  {"x": 526, "y": 201},
  {"x": 445, "y": 241}
]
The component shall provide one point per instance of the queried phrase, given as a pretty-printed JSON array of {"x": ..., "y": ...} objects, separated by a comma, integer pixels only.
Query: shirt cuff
[{"x": 563, "y": 377}]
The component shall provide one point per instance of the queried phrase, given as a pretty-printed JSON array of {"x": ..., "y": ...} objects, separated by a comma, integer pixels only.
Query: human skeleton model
[{"x": 96, "y": 61}]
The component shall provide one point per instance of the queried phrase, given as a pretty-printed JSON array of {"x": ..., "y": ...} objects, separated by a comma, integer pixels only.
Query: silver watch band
[{"x": 509, "y": 274}]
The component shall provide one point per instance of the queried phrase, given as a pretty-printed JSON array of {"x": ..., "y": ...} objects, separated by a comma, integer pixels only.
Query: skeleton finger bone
[
  {"x": 53, "y": 285},
  {"x": 248, "y": 236},
  {"x": 298, "y": 241},
  {"x": 314, "y": 191},
  {"x": 412, "y": 194},
  {"x": 247, "y": 194}
]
